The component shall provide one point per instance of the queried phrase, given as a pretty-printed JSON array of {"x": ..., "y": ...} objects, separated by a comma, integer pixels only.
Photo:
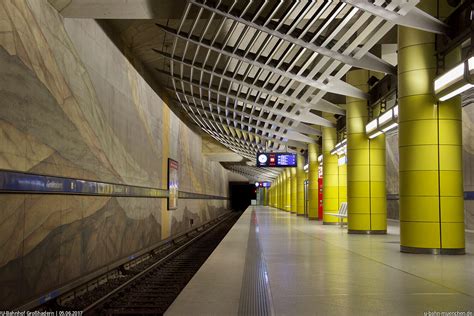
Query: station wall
[{"x": 72, "y": 106}]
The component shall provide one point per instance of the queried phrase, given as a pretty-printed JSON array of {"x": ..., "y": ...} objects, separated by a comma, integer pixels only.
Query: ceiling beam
[
  {"x": 320, "y": 105},
  {"x": 414, "y": 17},
  {"x": 332, "y": 84},
  {"x": 369, "y": 62}
]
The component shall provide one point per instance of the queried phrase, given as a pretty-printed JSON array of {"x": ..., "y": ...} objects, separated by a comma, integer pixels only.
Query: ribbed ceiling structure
[{"x": 253, "y": 74}]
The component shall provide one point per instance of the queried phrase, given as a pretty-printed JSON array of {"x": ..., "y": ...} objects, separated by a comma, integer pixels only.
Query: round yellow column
[
  {"x": 294, "y": 193},
  {"x": 300, "y": 177},
  {"x": 269, "y": 196},
  {"x": 313, "y": 181},
  {"x": 284, "y": 196},
  {"x": 342, "y": 184},
  {"x": 430, "y": 144},
  {"x": 280, "y": 191},
  {"x": 273, "y": 194},
  {"x": 288, "y": 190},
  {"x": 330, "y": 175},
  {"x": 367, "y": 204}
]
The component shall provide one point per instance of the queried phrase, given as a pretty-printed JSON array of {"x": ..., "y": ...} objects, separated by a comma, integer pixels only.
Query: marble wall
[
  {"x": 72, "y": 106},
  {"x": 391, "y": 185},
  {"x": 468, "y": 161}
]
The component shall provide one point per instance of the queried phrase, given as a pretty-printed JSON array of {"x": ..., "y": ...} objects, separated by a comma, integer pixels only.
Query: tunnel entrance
[{"x": 241, "y": 193}]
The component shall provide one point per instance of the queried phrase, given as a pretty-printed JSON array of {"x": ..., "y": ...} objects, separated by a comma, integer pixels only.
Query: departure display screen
[
  {"x": 263, "y": 184},
  {"x": 279, "y": 160}
]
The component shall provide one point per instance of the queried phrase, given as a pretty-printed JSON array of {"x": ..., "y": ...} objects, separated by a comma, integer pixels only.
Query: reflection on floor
[{"x": 316, "y": 269}]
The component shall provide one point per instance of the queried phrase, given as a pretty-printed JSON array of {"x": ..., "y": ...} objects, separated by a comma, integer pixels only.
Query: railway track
[{"x": 149, "y": 286}]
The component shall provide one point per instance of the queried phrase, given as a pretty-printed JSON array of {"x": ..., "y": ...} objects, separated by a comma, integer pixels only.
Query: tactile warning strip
[{"x": 255, "y": 295}]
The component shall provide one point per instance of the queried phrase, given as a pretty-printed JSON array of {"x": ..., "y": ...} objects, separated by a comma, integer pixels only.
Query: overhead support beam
[
  {"x": 288, "y": 135},
  {"x": 296, "y": 142},
  {"x": 321, "y": 121},
  {"x": 414, "y": 17},
  {"x": 320, "y": 105},
  {"x": 369, "y": 61},
  {"x": 306, "y": 129},
  {"x": 224, "y": 108},
  {"x": 237, "y": 122},
  {"x": 331, "y": 84}
]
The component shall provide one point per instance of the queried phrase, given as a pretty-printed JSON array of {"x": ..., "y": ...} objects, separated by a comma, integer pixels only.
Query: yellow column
[
  {"x": 367, "y": 204},
  {"x": 313, "y": 181},
  {"x": 293, "y": 190},
  {"x": 271, "y": 194},
  {"x": 330, "y": 175},
  {"x": 300, "y": 177},
  {"x": 342, "y": 184},
  {"x": 288, "y": 190},
  {"x": 279, "y": 191},
  {"x": 283, "y": 190},
  {"x": 430, "y": 144}
]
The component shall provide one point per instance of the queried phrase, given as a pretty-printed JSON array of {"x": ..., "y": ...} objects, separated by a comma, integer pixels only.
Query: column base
[
  {"x": 433, "y": 251},
  {"x": 299, "y": 214},
  {"x": 331, "y": 223},
  {"x": 312, "y": 218},
  {"x": 367, "y": 232}
]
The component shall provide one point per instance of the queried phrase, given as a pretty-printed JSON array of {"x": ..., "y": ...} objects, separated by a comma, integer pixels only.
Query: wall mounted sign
[
  {"x": 173, "y": 184},
  {"x": 279, "y": 160}
]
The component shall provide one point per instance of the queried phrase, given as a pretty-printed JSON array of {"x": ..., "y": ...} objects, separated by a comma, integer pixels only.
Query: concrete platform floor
[{"x": 312, "y": 269}]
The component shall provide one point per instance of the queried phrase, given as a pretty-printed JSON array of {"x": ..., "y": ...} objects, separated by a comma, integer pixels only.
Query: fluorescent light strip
[
  {"x": 395, "y": 111},
  {"x": 375, "y": 135},
  {"x": 372, "y": 125},
  {"x": 467, "y": 86},
  {"x": 386, "y": 129},
  {"x": 449, "y": 77},
  {"x": 385, "y": 117}
]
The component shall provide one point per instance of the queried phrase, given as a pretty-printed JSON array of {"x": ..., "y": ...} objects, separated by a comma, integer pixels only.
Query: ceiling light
[
  {"x": 375, "y": 135},
  {"x": 455, "y": 81},
  {"x": 386, "y": 129},
  {"x": 372, "y": 125},
  {"x": 385, "y": 117},
  {"x": 340, "y": 148},
  {"x": 454, "y": 93},
  {"x": 386, "y": 121}
]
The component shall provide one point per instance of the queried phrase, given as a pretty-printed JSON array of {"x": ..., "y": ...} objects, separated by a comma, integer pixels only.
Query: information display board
[
  {"x": 263, "y": 184},
  {"x": 173, "y": 178},
  {"x": 279, "y": 160}
]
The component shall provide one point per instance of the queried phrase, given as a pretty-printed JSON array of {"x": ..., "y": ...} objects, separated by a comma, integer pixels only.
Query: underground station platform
[
  {"x": 231, "y": 157},
  {"x": 273, "y": 262}
]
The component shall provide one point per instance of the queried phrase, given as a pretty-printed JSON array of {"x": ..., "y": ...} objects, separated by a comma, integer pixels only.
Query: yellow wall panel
[{"x": 421, "y": 183}]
